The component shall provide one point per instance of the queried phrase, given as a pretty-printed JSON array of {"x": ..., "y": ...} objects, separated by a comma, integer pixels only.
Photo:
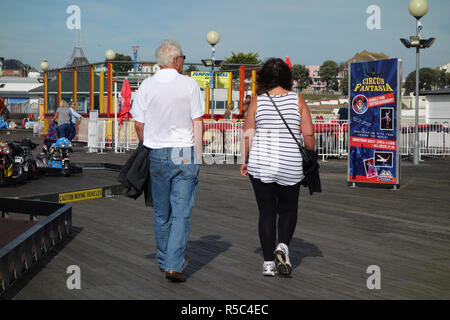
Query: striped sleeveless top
[{"x": 274, "y": 154}]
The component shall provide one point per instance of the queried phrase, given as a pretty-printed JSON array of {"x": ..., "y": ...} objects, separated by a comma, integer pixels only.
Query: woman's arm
[
  {"x": 306, "y": 124},
  {"x": 249, "y": 131}
]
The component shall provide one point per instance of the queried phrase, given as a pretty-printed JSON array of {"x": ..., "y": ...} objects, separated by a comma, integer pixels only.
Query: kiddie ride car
[
  {"x": 16, "y": 162},
  {"x": 55, "y": 157}
]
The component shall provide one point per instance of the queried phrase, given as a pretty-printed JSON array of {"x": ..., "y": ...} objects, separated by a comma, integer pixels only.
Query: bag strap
[{"x": 282, "y": 118}]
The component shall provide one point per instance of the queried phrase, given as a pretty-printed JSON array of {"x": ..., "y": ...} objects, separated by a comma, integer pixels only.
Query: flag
[
  {"x": 126, "y": 101},
  {"x": 288, "y": 62}
]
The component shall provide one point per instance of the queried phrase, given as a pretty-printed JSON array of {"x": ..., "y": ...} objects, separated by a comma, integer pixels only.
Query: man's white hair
[{"x": 167, "y": 51}]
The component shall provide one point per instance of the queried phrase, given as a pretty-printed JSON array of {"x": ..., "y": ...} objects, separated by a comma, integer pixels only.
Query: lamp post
[
  {"x": 44, "y": 67},
  {"x": 109, "y": 55},
  {"x": 213, "y": 38},
  {"x": 417, "y": 8}
]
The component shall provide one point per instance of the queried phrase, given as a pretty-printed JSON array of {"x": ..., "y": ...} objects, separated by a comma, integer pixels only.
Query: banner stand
[{"x": 374, "y": 124}]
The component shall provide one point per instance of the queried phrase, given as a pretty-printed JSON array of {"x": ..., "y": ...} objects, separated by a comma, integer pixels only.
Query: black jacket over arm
[
  {"x": 135, "y": 175},
  {"x": 312, "y": 177}
]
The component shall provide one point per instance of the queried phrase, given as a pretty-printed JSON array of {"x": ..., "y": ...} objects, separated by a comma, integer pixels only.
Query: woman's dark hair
[{"x": 273, "y": 73}]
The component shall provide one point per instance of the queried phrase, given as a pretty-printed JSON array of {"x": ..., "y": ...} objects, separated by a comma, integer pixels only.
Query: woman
[
  {"x": 229, "y": 111},
  {"x": 274, "y": 163},
  {"x": 4, "y": 112},
  {"x": 64, "y": 119}
]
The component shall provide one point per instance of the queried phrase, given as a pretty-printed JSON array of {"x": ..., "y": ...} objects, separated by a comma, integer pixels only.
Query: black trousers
[{"x": 275, "y": 201}]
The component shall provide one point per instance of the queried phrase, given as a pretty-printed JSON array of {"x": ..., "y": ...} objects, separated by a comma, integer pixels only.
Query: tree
[
  {"x": 328, "y": 73},
  {"x": 241, "y": 58},
  {"x": 122, "y": 67},
  {"x": 189, "y": 69},
  {"x": 301, "y": 74},
  {"x": 443, "y": 79},
  {"x": 428, "y": 80}
]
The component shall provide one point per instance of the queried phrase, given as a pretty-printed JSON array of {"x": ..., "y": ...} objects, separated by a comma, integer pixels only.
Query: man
[
  {"x": 343, "y": 113},
  {"x": 168, "y": 110},
  {"x": 75, "y": 116},
  {"x": 361, "y": 107},
  {"x": 246, "y": 103}
]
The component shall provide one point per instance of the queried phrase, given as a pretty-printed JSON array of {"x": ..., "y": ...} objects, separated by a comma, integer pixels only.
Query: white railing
[
  {"x": 434, "y": 139},
  {"x": 331, "y": 138},
  {"x": 223, "y": 137}
]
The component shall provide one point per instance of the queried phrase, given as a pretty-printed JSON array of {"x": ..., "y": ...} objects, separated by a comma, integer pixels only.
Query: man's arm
[
  {"x": 197, "y": 125},
  {"x": 75, "y": 114},
  {"x": 139, "y": 126}
]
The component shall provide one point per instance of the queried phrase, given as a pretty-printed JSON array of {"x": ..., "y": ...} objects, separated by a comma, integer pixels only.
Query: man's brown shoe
[{"x": 175, "y": 276}]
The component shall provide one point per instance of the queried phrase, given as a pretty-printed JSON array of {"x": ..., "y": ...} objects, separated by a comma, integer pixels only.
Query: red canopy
[
  {"x": 126, "y": 102},
  {"x": 288, "y": 62}
]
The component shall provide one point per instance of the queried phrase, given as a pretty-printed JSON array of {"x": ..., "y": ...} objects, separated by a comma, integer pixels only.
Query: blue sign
[{"x": 374, "y": 122}]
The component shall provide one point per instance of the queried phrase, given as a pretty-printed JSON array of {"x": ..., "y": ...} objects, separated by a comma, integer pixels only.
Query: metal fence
[
  {"x": 223, "y": 137},
  {"x": 24, "y": 108},
  {"x": 434, "y": 139}
]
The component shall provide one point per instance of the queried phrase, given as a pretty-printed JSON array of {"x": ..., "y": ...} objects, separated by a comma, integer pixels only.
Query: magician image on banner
[{"x": 360, "y": 104}]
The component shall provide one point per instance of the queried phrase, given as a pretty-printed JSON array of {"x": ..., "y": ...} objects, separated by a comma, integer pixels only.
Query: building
[
  {"x": 445, "y": 67},
  {"x": 15, "y": 92},
  {"x": 148, "y": 68},
  {"x": 317, "y": 85},
  {"x": 437, "y": 108},
  {"x": 67, "y": 90},
  {"x": 15, "y": 68},
  {"x": 366, "y": 56}
]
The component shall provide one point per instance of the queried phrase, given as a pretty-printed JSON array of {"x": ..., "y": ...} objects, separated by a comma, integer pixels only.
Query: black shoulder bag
[{"x": 309, "y": 157}]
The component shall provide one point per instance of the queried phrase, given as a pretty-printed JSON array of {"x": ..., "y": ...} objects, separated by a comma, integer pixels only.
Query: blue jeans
[
  {"x": 174, "y": 189},
  {"x": 72, "y": 132},
  {"x": 64, "y": 130}
]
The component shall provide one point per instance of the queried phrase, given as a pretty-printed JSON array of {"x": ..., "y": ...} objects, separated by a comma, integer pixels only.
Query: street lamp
[
  {"x": 213, "y": 38},
  {"x": 417, "y": 8},
  {"x": 110, "y": 54},
  {"x": 44, "y": 65}
]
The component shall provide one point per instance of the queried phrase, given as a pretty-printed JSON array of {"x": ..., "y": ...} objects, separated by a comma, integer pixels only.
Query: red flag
[
  {"x": 288, "y": 62},
  {"x": 126, "y": 101}
]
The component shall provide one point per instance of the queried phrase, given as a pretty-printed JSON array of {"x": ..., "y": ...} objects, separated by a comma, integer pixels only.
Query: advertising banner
[
  {"x": 204, "y": 79},
  {"x": 374, "y": 122},
  {"x": 222, "y": 80}
]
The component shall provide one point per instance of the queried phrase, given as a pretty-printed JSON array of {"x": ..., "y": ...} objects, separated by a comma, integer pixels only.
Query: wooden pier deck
[{"x": 339, "y": 234}]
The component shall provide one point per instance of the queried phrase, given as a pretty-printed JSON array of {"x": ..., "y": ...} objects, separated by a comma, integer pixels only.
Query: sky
[{"x": 309, "y": 32}]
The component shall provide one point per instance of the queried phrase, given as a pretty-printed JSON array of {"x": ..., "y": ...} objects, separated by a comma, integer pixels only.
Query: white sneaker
[
  {"x": 282, "y": 255},
  {"x": 269, "y": 268}
]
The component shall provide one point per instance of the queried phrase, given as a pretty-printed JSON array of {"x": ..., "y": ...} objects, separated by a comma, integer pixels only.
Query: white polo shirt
[{"x": 166, "y": 103}]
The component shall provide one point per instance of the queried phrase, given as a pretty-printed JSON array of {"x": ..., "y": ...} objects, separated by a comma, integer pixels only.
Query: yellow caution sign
[{"x": 80, "y": 195}]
